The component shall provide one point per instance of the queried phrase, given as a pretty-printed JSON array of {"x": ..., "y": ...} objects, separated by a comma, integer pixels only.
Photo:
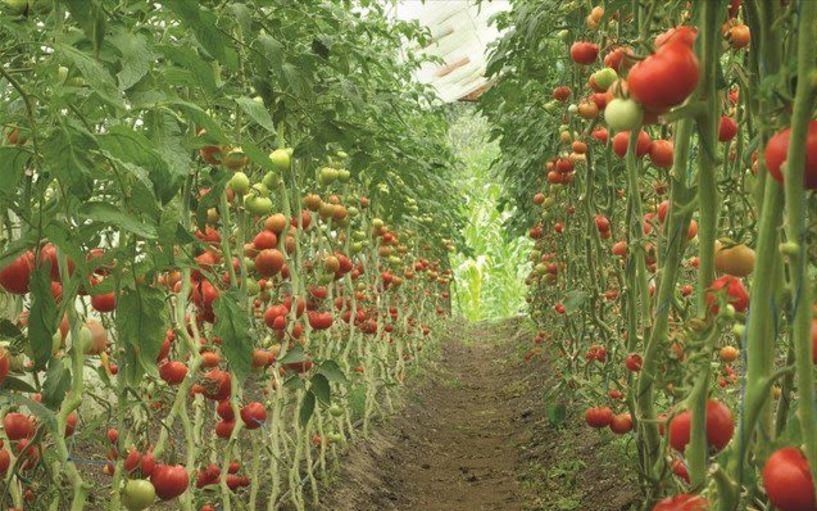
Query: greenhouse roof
[{"x": 462, "y": 32}]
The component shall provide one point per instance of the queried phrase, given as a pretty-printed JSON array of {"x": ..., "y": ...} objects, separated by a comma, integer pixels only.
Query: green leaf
[
  {"x": 110, "y": 214},
  {"x": 131, "y": 146},
  {"x": 204, "y": 25},
  {"x": 56, "y": 384},
  {"x": 137, "y": 57},
  {"x": 97, "y": 77},
  {"x": 332, "y": 372},
  {"x": 294, "y": 383},
  {"x": 67, "y": 157},
  {"x": 257, "y": 112},
  {"x": 294, "y": 356},
  {"x": 16, "y": 384},
  {"x": 233, "y": 327},
  {"x": 320, "y": 387},
  {"x": 12, "y": 162},
  {"x": 9, "y": 330},
  {"x": 140, "y": 322},
  {"x": 201, "y": 119},
  {"x": 42, "y": 320},
  {"x": 307, "y": 408},
  {"x": 257, "y": 156},
  {"x": 556, "y": 413},
  {"x": 201, "y": 72}
]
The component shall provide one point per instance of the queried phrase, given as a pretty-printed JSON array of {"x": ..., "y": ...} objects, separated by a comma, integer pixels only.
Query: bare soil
[{"x": 473, "y": 435}]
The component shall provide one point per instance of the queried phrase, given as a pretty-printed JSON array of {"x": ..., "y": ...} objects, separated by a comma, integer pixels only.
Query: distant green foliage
[{"x": 490, "y": 272}]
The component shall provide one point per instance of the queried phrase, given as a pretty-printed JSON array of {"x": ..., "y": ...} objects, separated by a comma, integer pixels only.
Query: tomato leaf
[
  {"x": 293, "y": 356},
  {"x": 110, "y": 214},
  {"x": 137, "y": 57},
  {"x": 233, "y": 327},
  {"x": 56, "y": 384},
  {"x": 307, "y": 408},
  {"x": 97, "y": 77},
  {"x": 332, "y": 372},
  {"x": 42, "y": 320},
  {"x": 140, "y": 322},
  {"x": 257, "y": 112},
  {"x": 294, "y": 382},
  {"x": 320, "y": 387},
  {"x": 9, "y": 330},
  {"x": 16, "y": 384}
]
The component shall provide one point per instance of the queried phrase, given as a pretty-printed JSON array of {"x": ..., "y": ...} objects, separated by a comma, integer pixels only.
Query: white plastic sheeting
[{"x": 462, "y": 32}]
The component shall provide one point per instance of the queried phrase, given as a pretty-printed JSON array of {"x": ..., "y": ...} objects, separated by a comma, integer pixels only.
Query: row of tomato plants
[
  {"x": 683, "y": 134},
  {"x": 198, "y": 315}
]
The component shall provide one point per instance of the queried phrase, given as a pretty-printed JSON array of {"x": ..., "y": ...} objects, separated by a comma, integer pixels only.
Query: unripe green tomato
[
  {"x": 790, "y": 248},
  {"x": 564, "y": 35},
  {"x": 378, "y": 223},
  {"x": 604, "y": 78},
  {"x": 281, "y": 159},
  {"x": 335, "y": 410},
  {"x": 623, "y": 114},
  {"x": 357, "y": 247},
  {"x": 729, "y": 311},
  {"x": 62, "y": 74},
  {"x": 252, "y": 287},
  {"x": 352, "y": 211},
  {"x": 551, "y": 106},
  {"x": 395, "y": 260},
  {"x": 344, "y": 175},
  {"x": 139, "y": 494},
  {"x": 249, "y": 263},
  {"x": 86, "y": 337},
  {"x": 335, "y": 438},
  {"x": 572, "y": 109},
  {"x": 258, "y": 205},
  {"x": 738, "y": 329},
  {"x": 541, "y": 268},
  {"x": 564, "y": 127},
  {"x": 271, "y": 180},
  {"x": 548, "y": 202},
  {"x": 260, "y": 189},
  {"x": 342, "y": 155},
  {"x": 258, "y": 99},
  {"x": 327, "y": 174},
  {"x": 358, "y": 235},
  {"x": 240, "y": 183}
]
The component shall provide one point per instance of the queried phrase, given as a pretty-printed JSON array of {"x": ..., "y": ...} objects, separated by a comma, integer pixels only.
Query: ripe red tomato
[
  {"x": 217, "y": 385},
  {"x": 17, "y": 426},
  {"x": 5, "y": 362},
  {"x": 583, "y": 52},
  {"x": 264, "y": 240},
  {"x": 173, "y": 373},
  {"x": 320, "y": 320},
  {"x": 618, "y": 58},
  {"x": 599, "y": 417},
  {"x": 48, "y": 259},
  {"x": 719, "y": 427},
  {"x": 622, "y": 140},
  {"x": 621, "y": 424},
  {"x": 253, "y": 415},
  {"x": 667, "y": 77},
  {"x": 776, "y": 154},
  {"x": 602, "y": 223},
  {"x": 736, "y": 293},
  {"x": 683, "y": 502},
  {"x": 727, "y": 129},
  {"x": 16, "y": 275},
  {"x": 787, "y": 479},
  {"x": 600, "y": 134},
  {"x": 170, "y": 481},
  {"x": 633, "y": 362},
  {"x": 269, "y": 262},
  {"x": 5, "y": 461},
  {"x": 105, "y": 302},
  {"x": 561, "y": 93},
  {"x": 661, "y": 153}
]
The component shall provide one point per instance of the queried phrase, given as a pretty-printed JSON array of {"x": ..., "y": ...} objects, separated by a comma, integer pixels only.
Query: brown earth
[{"x": 473, "y": 435}]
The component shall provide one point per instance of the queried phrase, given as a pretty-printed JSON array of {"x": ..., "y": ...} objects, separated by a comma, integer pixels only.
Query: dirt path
[
  {"x": 453, "y": 446},
  {"x": 473, "y": 435}
]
